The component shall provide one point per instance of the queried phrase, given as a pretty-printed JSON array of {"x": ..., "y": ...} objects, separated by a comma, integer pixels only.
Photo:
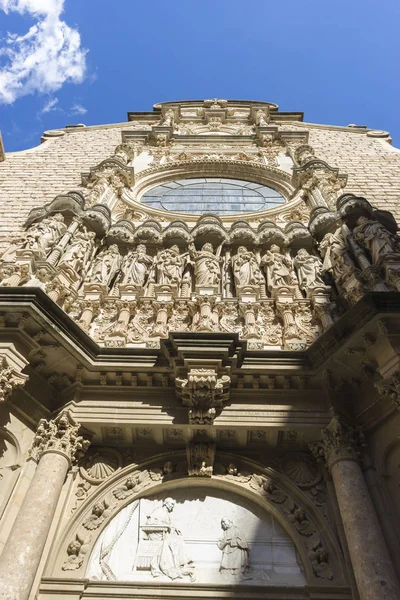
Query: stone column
[
  {"x": 373, "y": 568},
  {"x": 249, "y": 311},
  {"x": 323, "y": 309},
  {"x": 163, "y": 310},
  {"x": 91, "y": 308},
  {"x": 56, "y": 446}
]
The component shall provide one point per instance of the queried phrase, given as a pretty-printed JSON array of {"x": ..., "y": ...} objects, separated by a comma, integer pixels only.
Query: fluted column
[
  {"x": 56, "y": 446},
  {"x": 373, "y": 569}
]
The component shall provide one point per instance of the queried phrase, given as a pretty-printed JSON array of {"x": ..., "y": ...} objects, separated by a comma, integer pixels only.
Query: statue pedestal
[
  {"x": 207, "y": 290},
  {"x": 248, "y": 293},
  {"x": 130, "y": 291},
  {"x": 165, "y": 292},
  {"x": 95, "y": 291}
]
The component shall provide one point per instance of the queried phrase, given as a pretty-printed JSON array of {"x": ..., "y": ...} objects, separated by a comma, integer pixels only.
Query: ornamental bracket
[{"x": 204, "y": 393}]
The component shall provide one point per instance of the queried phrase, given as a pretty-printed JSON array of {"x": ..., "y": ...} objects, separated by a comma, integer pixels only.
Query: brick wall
[{"x": 34, "y": 177}]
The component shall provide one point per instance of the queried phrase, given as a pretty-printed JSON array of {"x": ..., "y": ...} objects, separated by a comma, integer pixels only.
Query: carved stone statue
[
  {"x": 377, "y": 239},
  {"x": 337, "y": 259},
  {"x": 136, "y": 266},
  {"x": 308, "y": 269},
  {"x": 105, "y": 266},
  {"x": 171, "y": 558},
  {"x": 260, "y": 118},
  {"x": 235, "y": 549},
  {"x": 168, "y": 118},
  {"x": 278, "y": 268},
  {"x": 42, "y": 236},
  {"x": 207, "y": 265},
  {"x": 169, "y": 266},
  {"x": 246, "y": 270},
  {"x": 78, "y": 251}
]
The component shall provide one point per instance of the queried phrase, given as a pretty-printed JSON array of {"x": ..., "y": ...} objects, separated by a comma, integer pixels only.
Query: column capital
[
  {"x": 339, "y": 442},
  {"x": 61, "y": 436}
]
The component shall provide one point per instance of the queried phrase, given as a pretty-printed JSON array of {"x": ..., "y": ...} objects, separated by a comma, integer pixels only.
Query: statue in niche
[
  {"x": 207, "y": 265},
  {"x": 78, "y": 251},
  {"x": 377, "y": 239},
  {"x": 278, "y": 268},
  {"x": 336, "y": 255},
  {"x": 171, "y": 559},
  {"x": 169, "y": 118},
  {"x": 136, "y": 266},
  {"x": 260, "y": 118},
  {"x": 42, "y": 236},
  {"x": 168, "y": 266},
  {"x": 106, "y": 264},
  {"x": 309, "y": 269},
  {"x": 235, "y": 550},
  {"x": 246, "y": 270}
]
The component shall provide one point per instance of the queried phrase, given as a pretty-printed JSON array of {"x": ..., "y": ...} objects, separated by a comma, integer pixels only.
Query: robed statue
[
  {"x": 207, "y": 265},
  {"x": 235, "y": 549},
  {"x": 246, "y": 270},
  {"x": 171, "y": 558},
  {"x": 136, "y": 266}
]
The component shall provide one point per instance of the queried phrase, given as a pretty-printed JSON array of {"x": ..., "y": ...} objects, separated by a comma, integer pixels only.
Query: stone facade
[{"x": 200, "y": 402}]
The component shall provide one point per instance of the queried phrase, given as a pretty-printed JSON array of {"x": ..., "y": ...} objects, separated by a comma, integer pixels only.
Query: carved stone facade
[{"x": 199, "y": 363}]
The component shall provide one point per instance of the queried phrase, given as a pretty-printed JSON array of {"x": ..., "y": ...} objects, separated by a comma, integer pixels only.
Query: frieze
[{"x": 104, "y": 506}]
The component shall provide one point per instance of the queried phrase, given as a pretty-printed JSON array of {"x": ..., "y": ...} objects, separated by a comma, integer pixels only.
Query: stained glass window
[{"x": 212, "y": 195}]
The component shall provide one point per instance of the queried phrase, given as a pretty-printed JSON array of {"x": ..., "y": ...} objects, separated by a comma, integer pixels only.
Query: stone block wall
[{"x": 34, "y": 177}]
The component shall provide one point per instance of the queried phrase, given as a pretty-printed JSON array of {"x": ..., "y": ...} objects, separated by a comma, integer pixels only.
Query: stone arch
[
  {"x": 269, "y": 490},
  {"x": 235, "y": 169}
]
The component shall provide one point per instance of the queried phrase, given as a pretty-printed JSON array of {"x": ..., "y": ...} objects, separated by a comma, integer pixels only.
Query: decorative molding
[
  {"x": 60, "y": 435},
  {"x": 203, "y": 393}
]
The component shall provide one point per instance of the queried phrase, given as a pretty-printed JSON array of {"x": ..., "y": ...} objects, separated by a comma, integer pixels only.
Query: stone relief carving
[
  {"x": 207, "y": 269},
  {"x": 171, "y": 557},
  {"x": 260, "y": 260},
  {"x": 278, "y": 269},
  {"x": 61, "y": 435},
  {"x": 235, "y": 549},
  {"x": 105, "y": 266},
  {"x": 204, "y": 393},
  {"x": 246, "y": 268},
  {"x": 381, "y": 244},
  {"x": 78, "y": 252},
  {"x": 136, "y": 266},
  {"x": 42, "y": 236},
  {"x": 338, "y": 440},
  {"x": 162, "y": 540},
  {"x": 10, "y": 379},
  {"x": 309, "y": 269},
  {"x": 200, "y": 458}
]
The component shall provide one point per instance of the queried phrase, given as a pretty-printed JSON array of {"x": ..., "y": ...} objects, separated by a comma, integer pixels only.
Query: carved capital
[
  {"x": 59, "y": 435},
  {"x": 339, "y": 442},
  {"x": 203, "y": 393}
]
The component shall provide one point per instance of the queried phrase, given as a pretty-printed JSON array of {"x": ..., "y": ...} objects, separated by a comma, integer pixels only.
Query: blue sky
[{"x": 90, "y": 61}]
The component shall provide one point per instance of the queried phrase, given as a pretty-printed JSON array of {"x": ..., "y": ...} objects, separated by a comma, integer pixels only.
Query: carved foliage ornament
[
  {"x": 59, "y": 435},
  {"x": 204, "y": 393},
  {"x": 339, "y": 442},
  {"x": 200, "y": 460},
  {"x": 10, "y": 379}
]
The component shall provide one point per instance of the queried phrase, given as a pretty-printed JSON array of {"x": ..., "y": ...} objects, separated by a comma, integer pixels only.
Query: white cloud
[
  {"x": 78, "y": 109},
  {"x": 50, "y": 106},
  {"x": 43, "y": 59}
]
